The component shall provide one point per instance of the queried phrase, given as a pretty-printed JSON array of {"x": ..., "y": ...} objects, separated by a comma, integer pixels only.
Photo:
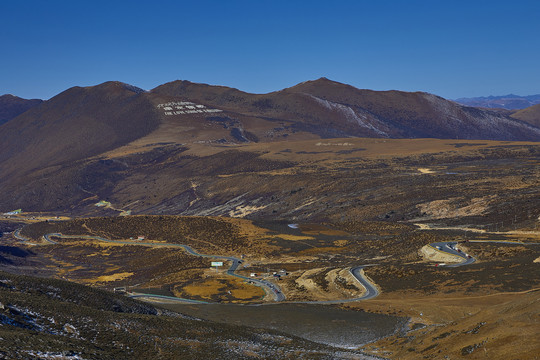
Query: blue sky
[{"x": 450, "y": 48}]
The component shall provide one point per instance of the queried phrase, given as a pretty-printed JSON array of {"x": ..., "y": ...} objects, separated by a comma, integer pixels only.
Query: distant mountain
[
  {"x": 509, "y": 102},
  {"x": 12, "y": 106}
]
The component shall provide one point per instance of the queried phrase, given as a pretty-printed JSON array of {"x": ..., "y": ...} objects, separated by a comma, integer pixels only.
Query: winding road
[
  {"x": 269, "y": 287},
  {"x": 371, "y": 290},
  {"x": 235, "y": 262},
  {"x": 449, "y": 248},
  {"x": 357, "y": 273}
]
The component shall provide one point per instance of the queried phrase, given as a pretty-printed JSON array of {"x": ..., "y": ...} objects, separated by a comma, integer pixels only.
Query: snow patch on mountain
[
  {"x": 473, "y": 121},
  {"x": 352, "y": 116},
  {"x": 445, "y": 107}
]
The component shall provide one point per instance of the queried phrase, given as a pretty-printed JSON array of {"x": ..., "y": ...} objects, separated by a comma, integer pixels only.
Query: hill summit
[
  {"x": 11, "y": 106},
  {"x": 327, "y": 109}
]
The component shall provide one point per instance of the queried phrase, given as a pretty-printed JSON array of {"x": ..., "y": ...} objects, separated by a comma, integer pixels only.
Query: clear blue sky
[{"x": 450, "y": 48}]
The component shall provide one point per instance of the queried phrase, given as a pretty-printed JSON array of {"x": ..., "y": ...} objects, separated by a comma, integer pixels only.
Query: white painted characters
[{"x": 185, "y": 107}]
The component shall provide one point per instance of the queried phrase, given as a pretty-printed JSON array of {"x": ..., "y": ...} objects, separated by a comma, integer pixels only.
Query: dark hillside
[
  {"x": 418, "y": 114},
  {"x": 12, "y": 106},
  {"x": 76, "y": 124},
  {"x": 47, "y": 318}
]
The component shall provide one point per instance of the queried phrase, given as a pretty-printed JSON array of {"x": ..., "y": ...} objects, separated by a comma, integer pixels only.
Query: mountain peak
[
  {"x": 112, "y": 85},
  {"x": 323, "y": 79},
  {"x": 12, "y": 106},
  {"x": 320, "y": 83}
]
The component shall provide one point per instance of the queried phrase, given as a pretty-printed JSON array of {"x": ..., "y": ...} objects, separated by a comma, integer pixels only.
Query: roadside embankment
[{"x": 429, "y": 253}]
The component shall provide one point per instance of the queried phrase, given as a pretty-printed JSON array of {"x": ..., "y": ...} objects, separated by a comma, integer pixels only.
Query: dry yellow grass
[
  {"x": 322, "y": 250},
  {"x": 317, "y": 229},
  {"x": 341, "y": 243},
  {"x": 291, "y": 237},
  {"x": 32, "y": 217},
  {"x": 247, "y": 292},
  {"x": 246, "y": 227},
  {"x": 221, "y": 287},
  {"x": 64, "y": 267},
  {"x": 498, "y": 326},
  {"x": 204, "y": 289},
  {"x": 108, "y": 278},
  {"x": 312, "y": 147}
]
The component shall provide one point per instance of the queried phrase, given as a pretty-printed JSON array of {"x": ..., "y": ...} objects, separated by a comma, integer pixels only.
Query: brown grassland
[{"x": 354, "y": 202}]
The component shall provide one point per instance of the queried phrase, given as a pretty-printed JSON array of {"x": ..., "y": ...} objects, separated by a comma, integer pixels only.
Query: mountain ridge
[
  {"x": 82, "y": 122},
  {"x": 12, "y": 106},
  {"x": 393, "y": 114},
  {"x": 530, "y": 115},
  {"x": 77, "y": 123},
  {"x": 508, "y": 102}
]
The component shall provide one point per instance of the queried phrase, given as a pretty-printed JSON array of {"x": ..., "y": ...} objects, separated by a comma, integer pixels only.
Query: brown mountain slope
[
  {"x": 289, "y": 112},
  {"x": 502, "y": 326},
  {"x": 12, "y": 106},
  {"x": 331, "y": 109},
  {"x": 530, "y": 115},
  {"x": 157, "y": 148},
  {"x": 76, "y": 124}
]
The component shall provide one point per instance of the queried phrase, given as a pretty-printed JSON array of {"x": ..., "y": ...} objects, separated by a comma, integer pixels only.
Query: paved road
[
  {"x": 357, "y": 273},
  {"x": 17, "y": 235},
  {"x": 504, "y": 242},
  {"x": 47, "y": 237},
  {"x": 168, "y": 298},
  {"x": 448, "y": 248},
  {"x": 371, "y": 290},
  {"x": 235, "y": 262}
]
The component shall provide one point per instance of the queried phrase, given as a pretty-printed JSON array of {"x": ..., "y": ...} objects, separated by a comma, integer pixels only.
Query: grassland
[
  {"x": 354, "y": 202},
  {"x": 315, "y": 257},
  {"x": 497, "y": 326}
]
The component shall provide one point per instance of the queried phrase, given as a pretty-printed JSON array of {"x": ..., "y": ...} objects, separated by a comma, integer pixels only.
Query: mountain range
[
  {"x": 87, "y": 121},
  {"x": 89, "y": 140},
  {"x": 508, "y": 102}
]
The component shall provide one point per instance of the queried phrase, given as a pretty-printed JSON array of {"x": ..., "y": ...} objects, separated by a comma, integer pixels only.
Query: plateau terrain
[{"x": 370, "y": 224}]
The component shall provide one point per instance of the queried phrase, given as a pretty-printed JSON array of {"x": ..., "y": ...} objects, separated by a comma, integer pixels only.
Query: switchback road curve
[
  {"x": 449, "y": 247},
  {"x": 235, "y": 262},
  {"x": 357, "y": 272},
  {"x": 371, "y": 290}
]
